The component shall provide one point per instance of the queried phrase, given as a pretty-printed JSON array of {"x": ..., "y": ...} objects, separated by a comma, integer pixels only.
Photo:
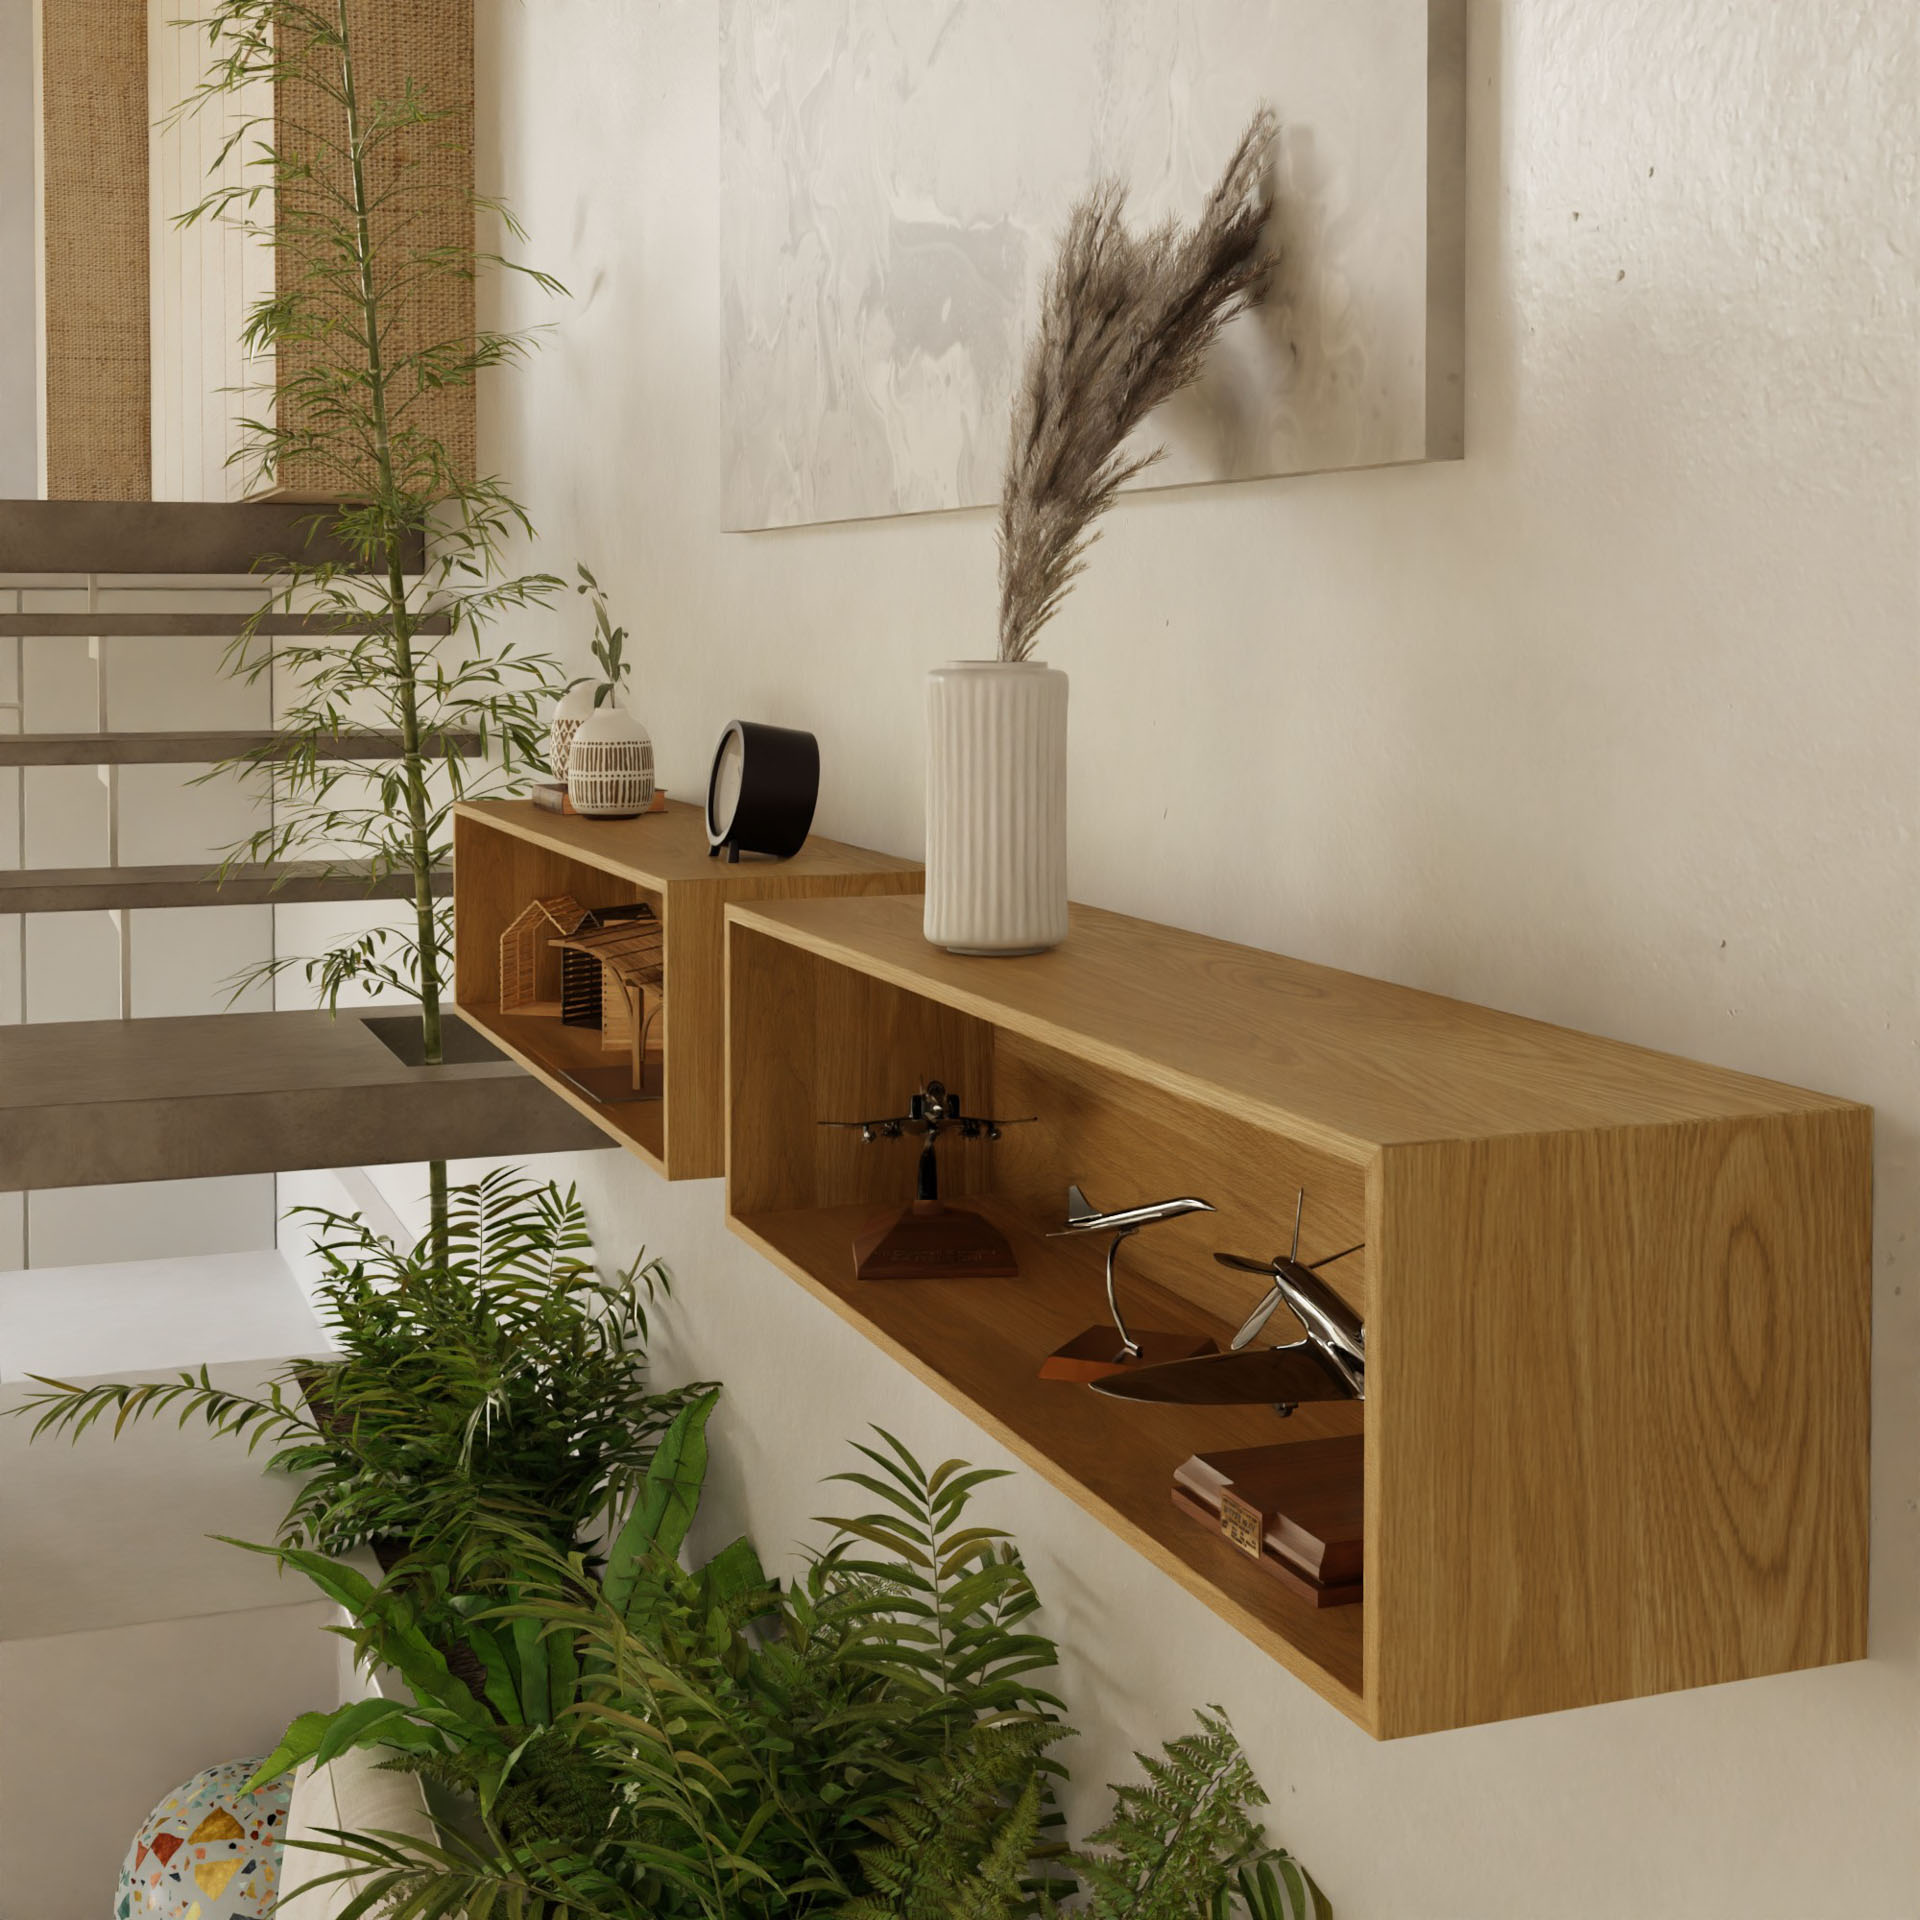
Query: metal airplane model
[
  {"x": 1329, "y": 1364},
  {"x": 1093, "y": 1355},
  {"x": 930, "y": 1240}
]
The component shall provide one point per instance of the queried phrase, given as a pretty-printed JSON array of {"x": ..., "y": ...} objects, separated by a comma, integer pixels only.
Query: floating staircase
[
  {"x": 103, "y": 1102},
  {"x": 93, "y": 1102},
  {"x": 118, "y": 889},
  {"x": 195, "y": 749}
]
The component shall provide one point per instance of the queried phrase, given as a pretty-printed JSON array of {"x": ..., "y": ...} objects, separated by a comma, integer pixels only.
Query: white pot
[
  {"x": 996, "y": 806},
  {"x": 575, "y": 706},
  {"x": 610, "y": 765}
]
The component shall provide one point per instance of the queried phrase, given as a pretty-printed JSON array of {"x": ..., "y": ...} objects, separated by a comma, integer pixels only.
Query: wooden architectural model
[
  {"x": 529, "y": 965},
  {"x": 624, "y": 961}
]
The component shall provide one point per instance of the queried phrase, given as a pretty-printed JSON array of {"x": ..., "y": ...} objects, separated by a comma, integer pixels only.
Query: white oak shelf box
[
  {"x": 1617, "y": 1303},
  {"x": 510, "y": 853}
]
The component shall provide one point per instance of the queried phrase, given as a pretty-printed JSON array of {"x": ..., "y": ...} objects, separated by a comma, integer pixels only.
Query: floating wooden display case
[
  {"x": 1617, "y": 1303},
  {"x": 509, "y": 854}
]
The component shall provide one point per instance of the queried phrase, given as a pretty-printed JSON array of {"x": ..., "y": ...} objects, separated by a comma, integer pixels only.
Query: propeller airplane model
[
  {"x": 930, "y": 1240},
  {"x": 1329, "y": 1364}
]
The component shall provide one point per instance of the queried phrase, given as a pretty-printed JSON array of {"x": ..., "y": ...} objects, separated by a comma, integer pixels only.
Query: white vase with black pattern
[
  {"x": 610, "y": 765},
  {"x": 996, "y": 806},
  {"x": 576, "y": 705}
]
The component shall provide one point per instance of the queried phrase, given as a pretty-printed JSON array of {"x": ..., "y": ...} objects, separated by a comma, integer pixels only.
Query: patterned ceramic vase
[
  {"x": 610, "y": 765},
  {"x": 209, "y": 1851},
  {"x": 996, "y": 806},
  {"x": 576, "y": 705}
]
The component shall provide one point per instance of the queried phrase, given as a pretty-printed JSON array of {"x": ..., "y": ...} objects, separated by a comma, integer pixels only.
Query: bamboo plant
[{"x": 362, "y": 198}]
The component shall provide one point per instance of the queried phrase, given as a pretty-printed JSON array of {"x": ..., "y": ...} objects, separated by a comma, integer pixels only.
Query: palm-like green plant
[
  {"x": 502, "y": 1380},
  {"x": 370, "y": 331}
]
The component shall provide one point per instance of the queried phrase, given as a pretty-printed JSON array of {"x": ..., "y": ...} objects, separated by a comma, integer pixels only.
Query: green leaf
[{"x": 669, "y": 1498}]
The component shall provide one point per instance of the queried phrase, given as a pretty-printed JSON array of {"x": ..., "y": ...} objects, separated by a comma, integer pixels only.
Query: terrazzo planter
[
  {"x": 996, "y": 806},
  {"x": 209, "y": 1851}
]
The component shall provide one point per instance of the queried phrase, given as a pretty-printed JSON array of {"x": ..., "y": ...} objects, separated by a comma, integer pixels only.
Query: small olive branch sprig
[{"x": 609, "y": 641}]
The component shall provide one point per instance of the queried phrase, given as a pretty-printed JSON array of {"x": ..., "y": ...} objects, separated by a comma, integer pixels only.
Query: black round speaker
[{"x": 761, "y": 794}]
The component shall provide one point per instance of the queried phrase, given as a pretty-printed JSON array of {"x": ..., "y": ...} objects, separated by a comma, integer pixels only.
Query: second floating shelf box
[
  {"x": 1617, "y": 1303},
  {"x": 509, "y": 854}
]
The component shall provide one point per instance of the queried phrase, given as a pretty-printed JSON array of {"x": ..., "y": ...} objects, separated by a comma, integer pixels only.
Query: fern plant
[
  {"x": 503, "y": 1379},
  {"x": 725, "y": 1751},
  {"x": 668, "y": 1743},
  {"x": 966, "y": 1850},
  {"x": 1183, "y": 1845}
]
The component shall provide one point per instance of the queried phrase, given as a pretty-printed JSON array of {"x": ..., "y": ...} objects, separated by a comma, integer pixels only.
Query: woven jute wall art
[
  {"x": 424, "y": 187},
  {"x": 94, "y": 210}
]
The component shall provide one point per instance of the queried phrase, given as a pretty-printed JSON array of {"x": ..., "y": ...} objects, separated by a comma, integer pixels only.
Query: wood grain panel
[
  {"x": 662, "y": 849},
  {"x": 495, "y": 878},
  {"x": 549, "y": 1050},
  {"x": 1618, "y": 1394},
  {"x": 1127, "y": 1142},
  {"x": 1616, "y": 1304},
  {"x": 811, "y": 1043},
  {"x": 1340, "y": 1062}
]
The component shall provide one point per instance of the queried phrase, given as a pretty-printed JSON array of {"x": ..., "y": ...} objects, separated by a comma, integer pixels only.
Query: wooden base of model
[
  {"x": 932, "y": 1241},
  {"x": 1095, "y": 1354},
  {"x": 1295, "y": 1508}
]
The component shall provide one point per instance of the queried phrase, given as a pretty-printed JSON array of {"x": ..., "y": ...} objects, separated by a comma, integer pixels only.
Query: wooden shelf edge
[
  {"x": 765, "y": 917},
  {"x": 592, "y": 1110},
  {"x": 1300, "y": 1664},
  {"x": 670, "y": 863},
  {"x": 530, "y": 826}
]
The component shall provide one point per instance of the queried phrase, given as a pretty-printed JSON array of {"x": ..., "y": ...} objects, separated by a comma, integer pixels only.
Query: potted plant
[
  {"x": 599, "y": 748},
  {"x": 872, "y": 1742},
  {"x": 1125, "y": 322},
  {"x": 503, "y": 1380},
  {"x": 369, "y": 329}
]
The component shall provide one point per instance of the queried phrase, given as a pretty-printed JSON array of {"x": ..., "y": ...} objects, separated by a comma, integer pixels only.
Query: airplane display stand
[{"x": 930, "y": 1240}]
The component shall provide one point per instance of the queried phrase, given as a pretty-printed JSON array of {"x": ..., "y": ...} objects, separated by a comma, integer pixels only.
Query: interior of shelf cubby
[
  {"x": 812, "y": 1042},
  {"x": 489, "y": 894}
]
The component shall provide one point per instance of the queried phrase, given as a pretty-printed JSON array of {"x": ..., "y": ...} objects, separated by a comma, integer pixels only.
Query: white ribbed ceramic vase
[{"x": 996, "y": 806}]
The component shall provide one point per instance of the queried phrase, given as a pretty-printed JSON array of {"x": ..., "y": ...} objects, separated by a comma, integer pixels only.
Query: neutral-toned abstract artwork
[{"x": 894, "y": 174}]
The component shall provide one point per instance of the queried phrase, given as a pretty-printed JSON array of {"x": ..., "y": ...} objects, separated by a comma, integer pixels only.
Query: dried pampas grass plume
[{"x": 1125, "y": 323}]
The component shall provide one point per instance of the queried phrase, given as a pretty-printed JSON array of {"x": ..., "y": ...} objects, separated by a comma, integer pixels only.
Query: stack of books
[
  {"x": 1296, "y": 1508},
  {"x": 552, "y": 795}
]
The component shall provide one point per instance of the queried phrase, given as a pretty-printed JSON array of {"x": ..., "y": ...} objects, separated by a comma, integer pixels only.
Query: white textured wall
[{"x": 1614, "y": 724}]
